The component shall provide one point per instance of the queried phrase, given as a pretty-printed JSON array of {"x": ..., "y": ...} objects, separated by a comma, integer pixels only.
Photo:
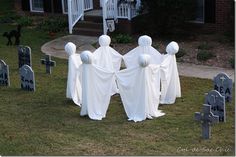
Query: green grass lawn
[{"x": 46, "y": 123}]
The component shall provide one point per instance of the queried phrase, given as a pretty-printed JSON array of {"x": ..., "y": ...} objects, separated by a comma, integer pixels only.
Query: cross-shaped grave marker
[
  {"x": 207, "y": 118},
  {"x": 49, "y": 63}
]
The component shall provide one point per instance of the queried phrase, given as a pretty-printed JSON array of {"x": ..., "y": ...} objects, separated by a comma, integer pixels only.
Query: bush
[
  {"x": 168, "y": 15},
  {"x": 232, "y": 62},
  {"x": 10, "y": 17},
  {"x": 142, "y": 25},
  {"x": 53, "y": 24},
  {"x": 25, "y": 21},
  {"x": 122, "y": 38},
  {"x": 205, "y": 46},
  {"x": 204, "y": 55},
  {"x": 181, "y": 53}
]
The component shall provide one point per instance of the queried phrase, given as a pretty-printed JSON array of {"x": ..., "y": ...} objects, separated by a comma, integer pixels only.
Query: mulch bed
[{"x": 219, "y": 46}]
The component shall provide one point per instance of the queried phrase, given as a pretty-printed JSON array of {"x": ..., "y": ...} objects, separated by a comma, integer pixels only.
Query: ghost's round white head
[
  {"x": 172, "y": 48},
  {"x": 70, "y": 48},
  {"x": 104, "y": 40},
  {"x": 144, "y": 60},
  {"x": 86, "y": 57},
  {"x": 145, "y": 41}
]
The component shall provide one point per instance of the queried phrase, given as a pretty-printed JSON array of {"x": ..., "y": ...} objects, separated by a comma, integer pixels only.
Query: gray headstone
[
  {"x": 223, "y": 84},
  {"x": 49, "y": 63},
  {"x": 27, "y": 78},
  {"x": 206, "y": 118},
  {"x": 217, "y": 102},
  {"x": 24, "y": 56},
  {"x": 4, "y": 74}
]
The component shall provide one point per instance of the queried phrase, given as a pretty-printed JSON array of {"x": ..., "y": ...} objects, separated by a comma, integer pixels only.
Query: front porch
[{"x": 91, "y": 19}]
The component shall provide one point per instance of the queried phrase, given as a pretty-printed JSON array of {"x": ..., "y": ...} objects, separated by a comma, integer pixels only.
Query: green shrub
[
  {"x": 204, "y": 55},
  {"x": 169, "y": 15},
  {"x": 142, "y": 25},
  {"x": 156, "y": 46},
  {"x": 53, "y": 24},
  {"x": 181, "y": 53},
  {"x": 122, "y": 38},
  {"x": 205, "y": 46},
  {"x": 25, "y": 21},
  {"x": 10, "y": 17},
  {"x": 232, "y": 62}
]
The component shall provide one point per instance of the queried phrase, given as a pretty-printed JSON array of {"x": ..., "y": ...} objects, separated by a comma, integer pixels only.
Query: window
[
  {"x": 65, "y": 6},
  {"x": 200, "y": 11},
  {"x": 36, "y": 5}
]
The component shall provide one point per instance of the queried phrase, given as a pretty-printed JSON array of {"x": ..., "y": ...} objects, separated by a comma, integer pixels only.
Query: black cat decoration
[{"x": 13, "y": 33}]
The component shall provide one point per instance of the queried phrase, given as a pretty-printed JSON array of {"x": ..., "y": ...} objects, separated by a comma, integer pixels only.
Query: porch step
[
  {"x": 88, "y": 31},
  {"x": 89, "y": 24},
  {"x": 96, "y": 19},
  {"x": 92, "y": 26}
]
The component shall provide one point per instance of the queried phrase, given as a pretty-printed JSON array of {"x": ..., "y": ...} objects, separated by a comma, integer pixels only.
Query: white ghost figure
[
  {"x": 97, "y": 85},
  {"x": 145, "y": 47},
  {"x": 138, "y": 90},
  {"x": 73, "y": 90},
  {"x": 170, "y": 83},
  {"x": 107, "y": 58}
]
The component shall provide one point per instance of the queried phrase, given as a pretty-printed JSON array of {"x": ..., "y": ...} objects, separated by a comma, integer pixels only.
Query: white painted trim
[
  {"x": 203, "y": 20},
  {"x": 36, "y": 11},
  {"x": 196, "y": 21},
  {"x": 63, "y": 7},
  {"x": 203, "y": 11}
]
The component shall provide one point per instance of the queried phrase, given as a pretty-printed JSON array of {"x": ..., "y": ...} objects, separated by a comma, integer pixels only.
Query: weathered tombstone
[
  {"x": 4, "y": 74},
  {"x": 207, "y": 118},
  {"x": 27, "y": 78},
  {"x": 49, "y": 63},
  {"x": 217, "y": 102},
  {"x": 223, "y": 84},
  {"x": 24, "y": 56}
]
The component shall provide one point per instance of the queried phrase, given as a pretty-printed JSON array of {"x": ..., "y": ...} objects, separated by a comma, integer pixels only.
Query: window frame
[
  {"x": 36, "y": 11},
  {"x": 203, "y": 19},
  {"x": 63, "y": 7}
]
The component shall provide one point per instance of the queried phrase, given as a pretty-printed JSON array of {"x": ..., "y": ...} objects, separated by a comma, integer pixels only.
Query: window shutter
[
  {"x": 25, "y": 5},
  {"x": 210, "y": 11},
  {"x": 57, "y": 6},
  {"x": 47, "y": 6}
]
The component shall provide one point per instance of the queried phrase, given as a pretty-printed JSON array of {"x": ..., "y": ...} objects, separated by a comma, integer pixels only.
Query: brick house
[
  {"x": 211, "y": 14},
  {"x": 214, "y": 15}
]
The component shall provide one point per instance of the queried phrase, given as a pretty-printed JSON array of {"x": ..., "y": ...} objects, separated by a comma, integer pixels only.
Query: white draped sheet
[
  {"x": 145, "y": 42},
  {"x": 73, "y": 90},
  {"x": 97, "y": 85},
  {"x": 139, "y": 85},
  {"x": 170, "y": 82},
  {"x": 138, "y": 90},
  {"x": 107, "y": 58}
]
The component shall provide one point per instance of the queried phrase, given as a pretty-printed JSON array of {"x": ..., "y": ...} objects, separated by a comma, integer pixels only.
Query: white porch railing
[
  {"x": 88, "y": 5},
  {"x": 75, "y": 12},
  {"x": 126, "y": 11},
  {"x": 109, "y": 10}
]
